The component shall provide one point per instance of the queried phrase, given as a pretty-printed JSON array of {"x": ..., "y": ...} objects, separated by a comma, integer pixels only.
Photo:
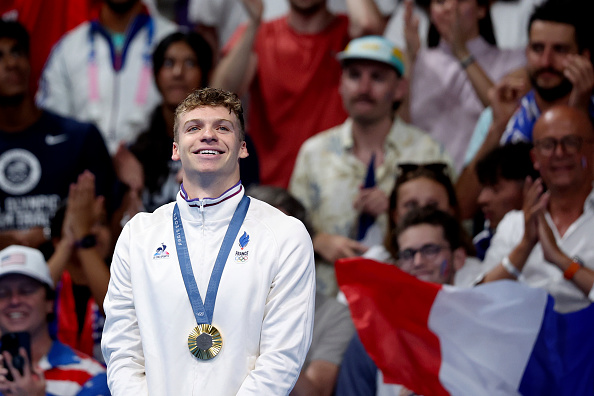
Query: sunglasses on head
[{"x": 435, "y": 167}]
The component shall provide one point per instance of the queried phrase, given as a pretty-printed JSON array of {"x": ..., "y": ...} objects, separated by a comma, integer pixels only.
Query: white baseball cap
[
  {"x": 375, "y": 48},
  {"x": 24, "y": 260}
]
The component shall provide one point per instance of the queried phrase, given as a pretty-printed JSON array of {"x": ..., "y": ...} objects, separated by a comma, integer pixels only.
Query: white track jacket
[{"x": 264, "y": 307}]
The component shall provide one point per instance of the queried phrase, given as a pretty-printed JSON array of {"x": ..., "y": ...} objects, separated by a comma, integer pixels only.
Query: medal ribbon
[{"x": 204, "y": 312}]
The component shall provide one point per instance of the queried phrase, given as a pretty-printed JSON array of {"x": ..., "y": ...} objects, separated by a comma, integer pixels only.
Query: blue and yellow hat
[{"x": 376, "y": 48}]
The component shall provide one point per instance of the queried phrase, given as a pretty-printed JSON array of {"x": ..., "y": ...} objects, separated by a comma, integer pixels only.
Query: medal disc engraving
[{"x": 205, "y": 342}]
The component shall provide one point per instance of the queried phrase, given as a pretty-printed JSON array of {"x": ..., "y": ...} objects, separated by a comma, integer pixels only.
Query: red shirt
[{"x": 294, "y": 94}]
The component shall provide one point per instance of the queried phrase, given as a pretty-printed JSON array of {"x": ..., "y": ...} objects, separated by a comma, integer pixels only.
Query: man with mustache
[
  {"x": 560, "y": 72},
  {"x": 331, "y": 168},
  {"x": 559, "y": 66}
]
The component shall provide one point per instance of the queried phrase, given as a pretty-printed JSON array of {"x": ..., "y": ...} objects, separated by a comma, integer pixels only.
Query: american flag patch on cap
[{"x": 13, "y": 259}]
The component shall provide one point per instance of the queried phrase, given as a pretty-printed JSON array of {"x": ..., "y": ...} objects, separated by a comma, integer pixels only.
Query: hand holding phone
[{"x": 11, "y": 343}]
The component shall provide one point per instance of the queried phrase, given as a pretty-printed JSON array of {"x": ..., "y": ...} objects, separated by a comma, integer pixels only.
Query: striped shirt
[{"x": 68, "y": 373}]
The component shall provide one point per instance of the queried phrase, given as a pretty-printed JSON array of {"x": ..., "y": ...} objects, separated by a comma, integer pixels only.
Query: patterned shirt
[
  {"x": 520, "y": 125},
  {"x": 327, "y": 176},
  {"x": 70, "y": 373}
]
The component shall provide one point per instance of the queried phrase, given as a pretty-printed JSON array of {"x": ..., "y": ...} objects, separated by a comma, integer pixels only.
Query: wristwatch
[{"x": 86, "y": 242}]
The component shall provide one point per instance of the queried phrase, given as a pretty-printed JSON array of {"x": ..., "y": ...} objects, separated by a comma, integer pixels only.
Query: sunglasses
[{"x": 439, "y": 168}]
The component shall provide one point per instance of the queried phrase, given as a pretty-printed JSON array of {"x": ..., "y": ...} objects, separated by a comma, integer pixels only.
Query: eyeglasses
[
  {"x": 570, "y": 144},
  {"x": 428, "y": 252}
]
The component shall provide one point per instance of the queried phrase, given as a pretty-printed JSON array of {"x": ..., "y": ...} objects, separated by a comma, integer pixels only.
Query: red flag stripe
[
  {"x": 78, "y": 376},
  {"x": 390, "y": 312}
]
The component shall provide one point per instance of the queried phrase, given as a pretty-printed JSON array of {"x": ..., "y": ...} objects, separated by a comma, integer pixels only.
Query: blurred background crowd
[{"x": 452, "y": 138}]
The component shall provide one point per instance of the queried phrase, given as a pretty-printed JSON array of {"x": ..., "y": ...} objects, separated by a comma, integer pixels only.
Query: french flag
[{"x": 500, "y": 338}]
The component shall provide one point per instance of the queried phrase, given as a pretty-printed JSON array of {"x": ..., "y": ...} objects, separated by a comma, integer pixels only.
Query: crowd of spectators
[{"x": 370, "y": 120}]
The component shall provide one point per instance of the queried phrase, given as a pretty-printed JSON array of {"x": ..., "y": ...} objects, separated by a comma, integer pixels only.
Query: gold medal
[{"x": 205, "y": 341}]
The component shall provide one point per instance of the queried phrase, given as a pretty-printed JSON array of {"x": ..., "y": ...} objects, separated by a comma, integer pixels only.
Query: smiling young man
[
  {"x": 548, "y": 243},
  {"x": 213, "y": 293}
]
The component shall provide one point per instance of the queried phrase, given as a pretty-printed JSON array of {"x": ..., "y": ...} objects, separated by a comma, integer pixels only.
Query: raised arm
[
  {"x": 237, "y": 69},
  {"x": 505, "y": 99},
  {"x": 85, "y": 211},
  {"x": 477, "y": 76},
  {"x": 413, "y": 44},
  {"x": 579, "y": 71},
  {"x": 365, "y": 18}
]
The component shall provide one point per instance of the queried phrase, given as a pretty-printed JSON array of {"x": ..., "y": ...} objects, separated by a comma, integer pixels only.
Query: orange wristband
[{"x": 571, "y": 270}]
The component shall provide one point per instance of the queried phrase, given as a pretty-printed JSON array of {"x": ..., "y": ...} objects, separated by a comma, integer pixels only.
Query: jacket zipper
[{"x": 202, "y": 213}]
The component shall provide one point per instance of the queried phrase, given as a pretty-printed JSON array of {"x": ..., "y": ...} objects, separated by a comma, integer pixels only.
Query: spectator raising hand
[
  {"x": 83, "y": 245},
  {"x": 462, "y": 42}
]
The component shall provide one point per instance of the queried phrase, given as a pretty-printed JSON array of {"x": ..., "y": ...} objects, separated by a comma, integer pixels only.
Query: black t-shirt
[{"x": 38, "y": 164}]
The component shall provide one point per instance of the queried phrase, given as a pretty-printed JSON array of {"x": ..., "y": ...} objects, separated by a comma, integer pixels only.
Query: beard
[
  {"x": 553, "y": 93},
  {"x": 307, "y": 10},
  {"x": 121, "y": 7}
]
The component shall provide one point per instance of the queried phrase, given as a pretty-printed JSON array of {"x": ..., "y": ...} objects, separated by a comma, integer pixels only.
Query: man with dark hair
[
  {"x": 559, "y": 65},
  {"x": 502, "y": 174},
  {"x": 343, "y": 175},
  {"x": 41, "y": 153},
  {"x": 560, "y": 71},
  {"x": 26, "y": 304},
  {"x": 430, "y": 246},
  {"x": 162, "y": 338}
]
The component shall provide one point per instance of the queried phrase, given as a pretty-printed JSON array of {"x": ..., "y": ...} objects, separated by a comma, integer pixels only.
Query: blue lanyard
[{"x": 204, "y": 312}]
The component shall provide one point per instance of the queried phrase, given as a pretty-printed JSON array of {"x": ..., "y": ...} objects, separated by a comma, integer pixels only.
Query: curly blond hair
[{"x": 210, "y": 97}]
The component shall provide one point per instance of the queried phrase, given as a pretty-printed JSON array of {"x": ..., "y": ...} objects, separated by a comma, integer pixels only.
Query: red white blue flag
[{"x": 500, "y": 338}]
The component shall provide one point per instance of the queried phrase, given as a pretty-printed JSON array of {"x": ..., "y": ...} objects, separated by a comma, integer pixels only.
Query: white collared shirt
[{"x": 577, "y": 240}]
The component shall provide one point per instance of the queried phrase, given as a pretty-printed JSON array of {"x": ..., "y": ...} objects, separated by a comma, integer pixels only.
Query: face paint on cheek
[
  {"x": 444, "y": 269},
  {"x": 584, "y": 162}
]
